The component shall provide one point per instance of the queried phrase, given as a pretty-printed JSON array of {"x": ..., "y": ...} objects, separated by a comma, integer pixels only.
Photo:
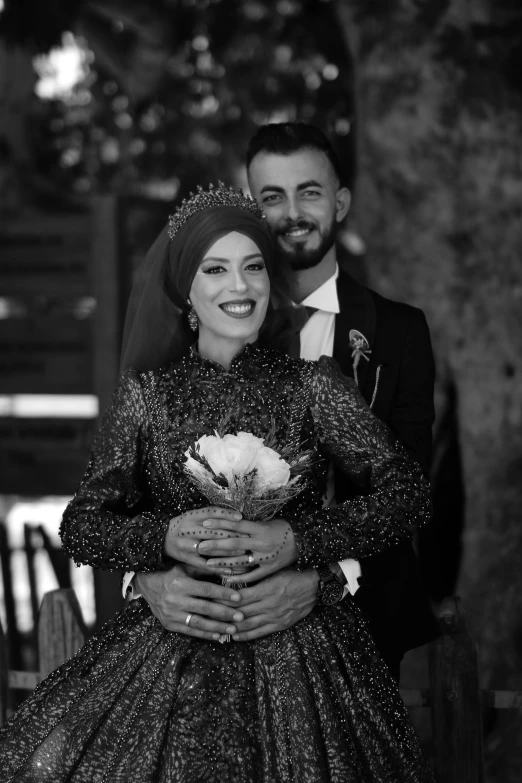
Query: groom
[{"x": 294, "y": 174}]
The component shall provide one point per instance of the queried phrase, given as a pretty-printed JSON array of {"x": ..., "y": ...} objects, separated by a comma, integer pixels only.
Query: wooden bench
[{"x": 454, "y": 696}]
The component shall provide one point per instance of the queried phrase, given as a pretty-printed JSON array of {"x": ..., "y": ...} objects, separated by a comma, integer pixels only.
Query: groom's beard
[{"x": 297, "y": 256}]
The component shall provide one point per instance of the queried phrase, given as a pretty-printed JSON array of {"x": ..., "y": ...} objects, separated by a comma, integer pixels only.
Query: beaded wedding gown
[{"x": 312, "y": 704}]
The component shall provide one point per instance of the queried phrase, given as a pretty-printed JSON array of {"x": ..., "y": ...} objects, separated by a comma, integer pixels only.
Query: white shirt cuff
[
  {"x": 352, "y": 570},
  {"x": 128, "y": 586}
]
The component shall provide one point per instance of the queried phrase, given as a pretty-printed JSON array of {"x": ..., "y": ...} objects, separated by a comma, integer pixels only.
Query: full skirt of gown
[{"x": 140, "y": 704}]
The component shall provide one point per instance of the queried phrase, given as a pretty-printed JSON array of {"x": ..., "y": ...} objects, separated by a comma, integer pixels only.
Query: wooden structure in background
[
  {"x": 66, "y": 281},
  {"x": 60, "y": 275},
  {"x": 9, "y": 603},
  {"x": 43, "y": 456},
  {"x": 36, "y": 541},
  {"x": 61, "y": 629},
  {"x": 66, "y": 277},
  {"x": 61, "y": 633},
  {"x": 454, "y": 696},
  {"x": 456, "y": 707}
]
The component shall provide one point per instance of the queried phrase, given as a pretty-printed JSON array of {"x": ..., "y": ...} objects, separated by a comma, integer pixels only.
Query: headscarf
[
  {"x": 156, "y": 328},
  {"x": 197, "y": 236}
]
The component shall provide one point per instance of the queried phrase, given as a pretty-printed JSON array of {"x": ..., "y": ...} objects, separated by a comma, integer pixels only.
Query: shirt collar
[{"x": 325, "y": 297}]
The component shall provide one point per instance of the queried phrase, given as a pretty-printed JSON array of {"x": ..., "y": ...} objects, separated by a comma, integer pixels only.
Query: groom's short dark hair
[{"x": 285, "y": 138}]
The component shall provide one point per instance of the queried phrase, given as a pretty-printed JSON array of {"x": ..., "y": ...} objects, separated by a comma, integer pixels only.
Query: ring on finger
[
  {"x": 195, "y": 546},
  {"x": 187, "y": 621},
  {"x": 251, "y": 559}
]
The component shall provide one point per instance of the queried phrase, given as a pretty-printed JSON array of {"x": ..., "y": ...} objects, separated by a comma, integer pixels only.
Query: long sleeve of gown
[
  {"x": 395, "y": 499},
  {"x": 102, "y": 526}
]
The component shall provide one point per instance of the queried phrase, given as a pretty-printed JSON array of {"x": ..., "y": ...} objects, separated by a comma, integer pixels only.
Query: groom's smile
[{"x": 298, "y": 233}]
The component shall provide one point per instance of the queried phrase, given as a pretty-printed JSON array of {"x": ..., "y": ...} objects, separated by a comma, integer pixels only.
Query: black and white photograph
[{"x": 260, "y": 391}]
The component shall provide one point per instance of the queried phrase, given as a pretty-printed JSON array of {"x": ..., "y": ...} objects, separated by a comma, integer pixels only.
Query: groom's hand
[
  {"x": 173, "y": 595},
  {"x": 276, "y": 603}
]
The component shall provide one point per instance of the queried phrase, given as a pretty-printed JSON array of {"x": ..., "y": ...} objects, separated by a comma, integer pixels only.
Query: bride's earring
[{"x": 193, "y": 318}]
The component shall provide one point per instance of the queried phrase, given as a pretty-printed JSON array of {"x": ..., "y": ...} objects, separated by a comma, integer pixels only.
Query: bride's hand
[
  {"x": 271, "y": 546},
  {"x": 186, "y": 531}
]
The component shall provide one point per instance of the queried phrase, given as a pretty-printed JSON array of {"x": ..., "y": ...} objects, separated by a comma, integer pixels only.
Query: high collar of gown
[{"x": 245, "y": 357}]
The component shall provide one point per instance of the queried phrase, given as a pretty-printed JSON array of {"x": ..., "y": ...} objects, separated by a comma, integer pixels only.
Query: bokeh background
[{"x": 112, "y": 111}]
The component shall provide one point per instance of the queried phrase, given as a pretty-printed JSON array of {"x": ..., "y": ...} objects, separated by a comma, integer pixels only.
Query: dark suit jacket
[{"x": 391, "y": 593}]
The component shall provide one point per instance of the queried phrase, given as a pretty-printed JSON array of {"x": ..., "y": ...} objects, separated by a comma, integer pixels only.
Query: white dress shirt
[{"x": 317, "y": 339}]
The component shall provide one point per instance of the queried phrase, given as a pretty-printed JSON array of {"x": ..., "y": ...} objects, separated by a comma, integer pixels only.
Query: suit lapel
[{"x": 357, "y": 311}]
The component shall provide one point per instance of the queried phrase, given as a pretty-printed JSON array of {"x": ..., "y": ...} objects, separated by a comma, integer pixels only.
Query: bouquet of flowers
[{"x": 245, "y": 473}]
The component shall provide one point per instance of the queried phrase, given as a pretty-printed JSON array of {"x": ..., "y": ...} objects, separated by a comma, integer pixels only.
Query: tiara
[{"x": 213, "y": 197}]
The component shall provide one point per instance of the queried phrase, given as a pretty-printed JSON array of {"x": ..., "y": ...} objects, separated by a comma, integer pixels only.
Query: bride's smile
[{"x": 241, "y": 308}]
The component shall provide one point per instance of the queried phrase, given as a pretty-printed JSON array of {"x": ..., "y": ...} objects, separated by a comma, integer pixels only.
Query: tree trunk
[{"x": 438, "y": 202}]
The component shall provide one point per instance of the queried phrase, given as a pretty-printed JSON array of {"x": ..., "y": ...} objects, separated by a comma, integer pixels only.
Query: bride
[{"x": 138, "y": 703}]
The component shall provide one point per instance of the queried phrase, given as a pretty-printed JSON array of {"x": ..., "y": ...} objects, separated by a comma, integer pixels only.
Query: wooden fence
[{"x": 454, "y": 697}]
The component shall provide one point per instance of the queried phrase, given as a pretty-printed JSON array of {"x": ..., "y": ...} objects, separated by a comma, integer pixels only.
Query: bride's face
[{"x": 231, "y": 289}]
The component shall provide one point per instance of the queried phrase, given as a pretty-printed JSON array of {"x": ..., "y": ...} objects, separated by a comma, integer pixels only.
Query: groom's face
[{"x": 302, "y": 200}]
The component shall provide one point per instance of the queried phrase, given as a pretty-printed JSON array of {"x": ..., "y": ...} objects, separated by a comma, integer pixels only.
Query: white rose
[
  {"x": 247, "y": 437},
  {"x": 272, "y": 471},
  {"x": 240, "y": 452},
  {"x": 205, "y": 442},
  {"x": 233, "y": 454}
]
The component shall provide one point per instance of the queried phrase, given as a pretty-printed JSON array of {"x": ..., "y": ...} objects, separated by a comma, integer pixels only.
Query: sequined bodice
[
  {"x": 135, "y": 483},
  {"x": 262, "y": 391}
]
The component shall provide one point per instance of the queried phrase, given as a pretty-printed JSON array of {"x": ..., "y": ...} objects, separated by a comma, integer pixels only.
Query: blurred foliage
[
  {"x": 484, "y": 37},
  {"x": 173, "y": 90}
]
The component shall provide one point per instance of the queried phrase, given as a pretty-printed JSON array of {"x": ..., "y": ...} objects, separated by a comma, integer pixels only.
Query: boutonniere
[{"x": 360, "y": 349}]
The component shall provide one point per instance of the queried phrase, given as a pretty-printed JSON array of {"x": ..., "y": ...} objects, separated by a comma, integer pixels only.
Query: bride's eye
[
  {"x": 256, "y": 266},
  {"x": 213, "y": 270}
]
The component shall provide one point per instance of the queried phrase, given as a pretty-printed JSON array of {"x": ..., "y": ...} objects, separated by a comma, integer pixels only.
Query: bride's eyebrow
[{"x": 227, "y": 260}]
